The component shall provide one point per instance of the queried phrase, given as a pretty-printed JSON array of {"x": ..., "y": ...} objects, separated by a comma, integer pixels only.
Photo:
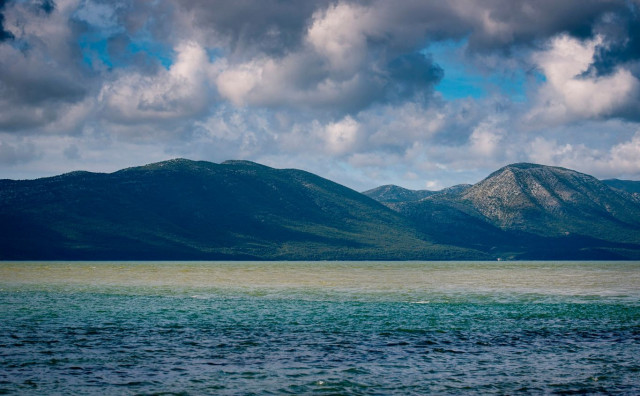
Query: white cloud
[
  {"x": 181, "y": 91},
  {"x": 339, "y": 34},
  {"x": 341, "y": 137},
  {"x": 620, "y": 159},
  {"x": 297, "y": 80},
  {"x": 571, "y": 93},
  {"x": 625, "y": 157},
  {"x": 336, "y": 68},
  {"x": 401, "y": 125},
  {"x": 486, "y": 138},
  {"x": 230, "y": 134},
  {"x": 237, "y": 83},
  {"x": 548, "y": 152}
]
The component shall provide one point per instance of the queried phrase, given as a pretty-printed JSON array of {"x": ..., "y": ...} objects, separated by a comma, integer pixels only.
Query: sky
[{"x": 421, "y": 94}]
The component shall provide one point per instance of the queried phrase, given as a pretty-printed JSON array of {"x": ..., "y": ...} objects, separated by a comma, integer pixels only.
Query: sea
[{"x": 326, "y": 327}]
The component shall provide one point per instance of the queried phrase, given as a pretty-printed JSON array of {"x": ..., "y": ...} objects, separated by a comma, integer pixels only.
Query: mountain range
[{"x": 239, "y": 210}]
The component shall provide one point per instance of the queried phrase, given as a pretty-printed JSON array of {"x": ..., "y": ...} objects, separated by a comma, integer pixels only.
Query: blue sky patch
[{"x": 461, "y": 80}]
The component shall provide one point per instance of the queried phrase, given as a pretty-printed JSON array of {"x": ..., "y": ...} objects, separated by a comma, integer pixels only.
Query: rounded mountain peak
[
  {"x": 526, "y": 168},
  {"x": 525, "y": 165}
]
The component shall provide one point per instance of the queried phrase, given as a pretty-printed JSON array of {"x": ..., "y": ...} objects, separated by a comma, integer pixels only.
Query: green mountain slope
[
  {"x": 391, "y": 193},
  {"x": 182, "y": 209}
]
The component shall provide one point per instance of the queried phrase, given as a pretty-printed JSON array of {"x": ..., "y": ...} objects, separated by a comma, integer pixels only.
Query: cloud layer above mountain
[{"x": 417, "y": 93}]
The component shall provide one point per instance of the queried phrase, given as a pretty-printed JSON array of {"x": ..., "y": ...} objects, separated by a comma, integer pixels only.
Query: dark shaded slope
[
  {"x": 182, "y": 209},
  {"x": 630, "y": 186},
  {"x": 451, "y": 222}
]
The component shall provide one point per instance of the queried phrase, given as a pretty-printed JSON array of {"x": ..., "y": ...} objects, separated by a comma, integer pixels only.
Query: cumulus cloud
[
  {"x": 571, "y": 92},
  {"x": 299, "y": 83},
  {"x": 624, "y": 157},
  {"x": 231, "y": 133},
  {"x": 485, "y": 139},
  {"x": 396, "y": 127},
  {"x": 180, "y": 91},
  {"x": 39, "y": 73},
  {"x": 339, "y": 34},
  {"x": 619, "y": 159},
  {"x": 334, "y": 68},
  {"x": 341, "y": 137}
]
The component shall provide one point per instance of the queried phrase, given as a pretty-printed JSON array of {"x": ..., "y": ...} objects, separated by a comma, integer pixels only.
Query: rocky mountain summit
[
  {"x": 550, "y": 201},
  {"x": 530, "y": 210}
]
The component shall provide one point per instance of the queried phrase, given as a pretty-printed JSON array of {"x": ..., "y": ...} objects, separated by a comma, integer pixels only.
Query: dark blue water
[{"x": 91, "y": 338}]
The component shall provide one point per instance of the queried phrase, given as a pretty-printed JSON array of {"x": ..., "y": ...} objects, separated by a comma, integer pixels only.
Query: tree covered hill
[{"x": 182, "y": 209}]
